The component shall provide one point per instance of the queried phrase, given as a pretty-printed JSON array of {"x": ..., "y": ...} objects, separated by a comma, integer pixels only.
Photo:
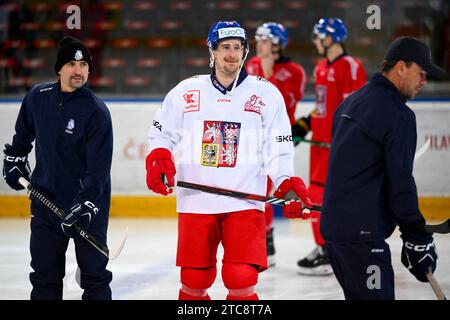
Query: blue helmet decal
[
  {"x": 274, "y": 31},
  {"x": 333, "y": 27},
  {"x": 226, "y": 30}
]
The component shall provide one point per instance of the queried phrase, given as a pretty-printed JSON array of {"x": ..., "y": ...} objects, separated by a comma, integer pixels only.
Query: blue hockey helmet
[
  {"x": 274, "y": 31},
  {"x": 333, "y": 27},
  {"x": 226, "y": 30}
]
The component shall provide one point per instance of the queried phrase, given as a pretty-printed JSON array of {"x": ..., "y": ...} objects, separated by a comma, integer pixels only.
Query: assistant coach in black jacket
[
  {"x": 370, "y": 188},
  {"x": 73, "y": 137}
]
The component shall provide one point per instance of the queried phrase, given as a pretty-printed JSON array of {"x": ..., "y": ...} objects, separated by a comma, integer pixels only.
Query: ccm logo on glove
[
  {"x": 16, "y": 159},
  {"x": 419, "y": 247},
  {"x": 88, "y": 204}
]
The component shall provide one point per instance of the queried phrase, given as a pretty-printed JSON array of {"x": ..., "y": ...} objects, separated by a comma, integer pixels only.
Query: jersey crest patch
[
  {"x": 220, "y": 143},
  {"x": 254, "y": 104},
  {"x": 192, "y": 100},
  {"x": 330, "y": 75},
  {"x": 321, "y": 97},
  {"x": 283, "y": 75}
]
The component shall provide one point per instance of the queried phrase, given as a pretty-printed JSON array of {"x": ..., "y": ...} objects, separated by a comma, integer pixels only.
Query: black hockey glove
[
  {"x": 300, "y": 129},
  {"x": 419, "y": 254},
  {"x": 15, "y": 165},
  {"x": 82, "y": 213}
]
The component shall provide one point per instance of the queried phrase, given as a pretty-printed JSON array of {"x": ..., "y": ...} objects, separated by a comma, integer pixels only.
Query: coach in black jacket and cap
[
  {"x": 370, "y": 188},
  {"x": 73, "y": 137}
]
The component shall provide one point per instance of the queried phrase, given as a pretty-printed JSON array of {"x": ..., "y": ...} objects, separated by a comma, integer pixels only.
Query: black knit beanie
[{"x": 71, "y": 49}]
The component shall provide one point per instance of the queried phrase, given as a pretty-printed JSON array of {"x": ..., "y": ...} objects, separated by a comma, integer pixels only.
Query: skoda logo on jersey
[
  {"x": 78, "y": 55},
  {"x": 70, "y": 126},
  {"x": 231, "y": 32}
]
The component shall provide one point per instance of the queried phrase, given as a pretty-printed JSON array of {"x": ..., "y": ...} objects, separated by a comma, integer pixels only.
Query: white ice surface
[{"x": 146, "y": 269}]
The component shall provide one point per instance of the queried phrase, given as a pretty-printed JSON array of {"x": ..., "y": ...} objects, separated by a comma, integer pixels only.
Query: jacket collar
[
  {"x": 221, "y": 88},
  {"x": 378, "y": 78},
  {"x": 283, "y": 59},
  {"x": 336, "y": 59},
  {"x": 81, "y": 91}
]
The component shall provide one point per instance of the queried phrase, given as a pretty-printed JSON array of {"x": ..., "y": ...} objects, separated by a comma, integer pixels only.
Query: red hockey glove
[
  {"x": 294, "y": 210},
  {"x": 294, "y": 187},
  {"x": 159, "y": 163}
]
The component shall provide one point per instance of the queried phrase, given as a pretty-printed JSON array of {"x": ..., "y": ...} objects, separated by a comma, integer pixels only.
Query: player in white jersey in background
[{"x": 231, "y": 131}]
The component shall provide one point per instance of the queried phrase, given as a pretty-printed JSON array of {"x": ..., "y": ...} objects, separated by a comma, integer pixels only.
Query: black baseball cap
[{"x": 410, "y": 49}]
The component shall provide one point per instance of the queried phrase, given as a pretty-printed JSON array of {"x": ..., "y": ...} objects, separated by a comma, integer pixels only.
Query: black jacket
[
  {"x": 73, "y": 144},
  {"x": 370, "y": 187}
]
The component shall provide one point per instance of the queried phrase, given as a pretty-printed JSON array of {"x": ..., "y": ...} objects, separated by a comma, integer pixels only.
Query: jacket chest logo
[{"x": 70, "y": 126}]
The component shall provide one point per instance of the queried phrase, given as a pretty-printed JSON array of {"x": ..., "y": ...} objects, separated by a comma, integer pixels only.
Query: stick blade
[
  {"x": 116, "y": 253},
  {"x": 443, "y": 227}
]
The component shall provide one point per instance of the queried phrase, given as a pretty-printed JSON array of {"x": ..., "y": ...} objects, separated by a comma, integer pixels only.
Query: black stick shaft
[
  {"x": 443, "y": 227},
  {"x": 435, "y": 286},
  {"x": 238, "y": 194},
  {"x": 313, "y": 142},
  {"x": 61, "y": 214}
]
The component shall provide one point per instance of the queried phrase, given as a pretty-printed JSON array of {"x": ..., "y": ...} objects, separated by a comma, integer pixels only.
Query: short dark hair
[{"x": 386, "y": 65}]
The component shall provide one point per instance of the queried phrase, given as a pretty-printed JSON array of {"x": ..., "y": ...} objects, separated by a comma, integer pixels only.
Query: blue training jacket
[
  {"x": 73, "y": 144},
  {"x": 370, "y": 187}
]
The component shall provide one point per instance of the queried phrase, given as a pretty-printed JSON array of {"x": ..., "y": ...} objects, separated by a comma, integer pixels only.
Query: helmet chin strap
[
  {"x": 211, "y": 58},
  {"x": 230, "y": 93},
  {"x": 325, "y": 49}
]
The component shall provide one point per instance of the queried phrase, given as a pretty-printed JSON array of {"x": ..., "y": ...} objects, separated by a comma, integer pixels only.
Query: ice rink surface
[{"x": 146, "y": 269}]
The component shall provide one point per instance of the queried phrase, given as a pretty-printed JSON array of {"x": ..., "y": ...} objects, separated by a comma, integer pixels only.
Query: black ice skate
[{"x": 317, "y": 263}]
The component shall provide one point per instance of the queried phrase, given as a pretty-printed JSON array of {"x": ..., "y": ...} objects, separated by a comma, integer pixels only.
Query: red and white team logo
[
  {"x": 330, "y": 75},
  {"x": 192, "y": 99},
  {"x": 254, "y": 104},
  {"x": 220, "y": 143},
  {"x": 283, "y": 75},
  {"x": 321, "y": 97}
]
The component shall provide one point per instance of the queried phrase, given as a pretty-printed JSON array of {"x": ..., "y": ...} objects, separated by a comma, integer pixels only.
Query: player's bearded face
[
  {"x": 73, "y": 75},
  {"x": 228, "y": 56}
]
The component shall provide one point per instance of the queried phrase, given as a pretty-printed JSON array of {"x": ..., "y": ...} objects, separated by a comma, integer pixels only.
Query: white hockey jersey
[{"x": 231, "y": 142}]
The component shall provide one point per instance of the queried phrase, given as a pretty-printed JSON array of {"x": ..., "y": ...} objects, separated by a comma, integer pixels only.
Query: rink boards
[{"x": 133, "y": 118}]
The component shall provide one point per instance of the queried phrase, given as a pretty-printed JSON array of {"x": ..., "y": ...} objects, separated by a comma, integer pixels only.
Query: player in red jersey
[
  {"x": 289, "y": 77},
  {"x": 336, "y": 77}
]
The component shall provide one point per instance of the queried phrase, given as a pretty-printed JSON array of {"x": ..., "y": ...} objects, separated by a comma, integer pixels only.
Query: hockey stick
[
  {"x": 435, "y": 286},
  {"x": 439, "y": 228},
  {"x": 60, "y": 213},
  {"x": 443, "y": 227},
  {"x": 242, "y": 195},
  {"x": 422, "y": 149},
  {"x": 419, "y": 153},
  {"x": 111, "y": 257},
  {"x": 313, "y": 142}
]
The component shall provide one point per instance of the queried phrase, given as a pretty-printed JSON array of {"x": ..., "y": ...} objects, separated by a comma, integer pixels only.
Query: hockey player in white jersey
[{"x": 230, "y": 130}]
